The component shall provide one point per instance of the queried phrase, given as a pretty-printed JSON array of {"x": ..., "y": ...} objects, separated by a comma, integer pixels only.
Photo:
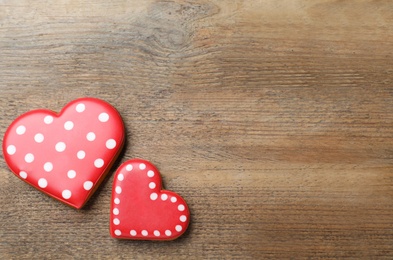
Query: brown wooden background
[{"x": 273, "y": 119}]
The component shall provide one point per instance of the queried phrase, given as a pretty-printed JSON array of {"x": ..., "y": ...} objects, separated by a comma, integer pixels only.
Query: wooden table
[{"x": 273, "y": 119}]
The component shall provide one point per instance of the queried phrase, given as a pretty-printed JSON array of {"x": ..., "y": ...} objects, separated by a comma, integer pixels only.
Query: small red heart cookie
[
  {"x": 65, "y": 155},
  {"x": 140, "y": 209}
]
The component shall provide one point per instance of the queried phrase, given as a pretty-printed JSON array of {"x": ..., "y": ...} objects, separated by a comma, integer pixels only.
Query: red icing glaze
[
  {"x": 140, "y": 209},
  {"x": 65, "y": 155}
]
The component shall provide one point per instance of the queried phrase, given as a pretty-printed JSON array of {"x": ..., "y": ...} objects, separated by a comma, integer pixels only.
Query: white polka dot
[
  {"x": 116, "y": 221},
  {"x": 60, "y": 147},
  {"x": 168, "y": 232},
  {"x": 68, "y": 125},
  {"x": 91, "y": 136},
  {"x": 48, "y": 120},
  {"x": 81, "y": 154},
  {"x": 80, "y": 107},
  {"x": 152, "y": 185},
  {"x": 144, "y": 233},
  {"x": 71, "y": 174},
  {"x": 133, "y": 233},
  {"x": 20, "y": 130},
  {"x": 178, "y": 228},
  {"x": 103, "y": 117},
  {"x": 173, "y": 199},
  {"x": 99, "y": 163},
  {"x": 117, "y": 232},
  {"x": 183, "y": 218},
  {"x": 23, "y": 174},
  {"x": 129, "y": 167},
  {"x": 153, "y": 196},
  {"x": 110, "y": 144},
  {"x": 150, "y": 173},
  {"x": 66, "y": 194},
  {"x": 120, "y": 177},
  {"x": 156, "y": 233},
  {"x": 142, "y": 166},
  {"x": 164, "y": 197},
  {"x": 48, "y": 166},
  {"x": 117, "y": 201},
  {"x": 29, "y": 158},
  {"x": 181, "y": 207},
  {"x": 118, "y": 189},
  {"x": 42, "y": 183},
  {"x": 11, "y": 149},
  {"x": 39, "y": 138},
  {"x": 87, "y": 185},
  {"x": 116, "y": 211}
]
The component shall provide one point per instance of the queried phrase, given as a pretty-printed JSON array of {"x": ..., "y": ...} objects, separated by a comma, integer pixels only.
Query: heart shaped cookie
[
  {"x": 140, "y": 209},
  {"x": 65, "y": 155}
]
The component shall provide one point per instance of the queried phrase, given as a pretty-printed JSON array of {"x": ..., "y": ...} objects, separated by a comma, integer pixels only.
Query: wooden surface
[{"x": 273, "y": 119}]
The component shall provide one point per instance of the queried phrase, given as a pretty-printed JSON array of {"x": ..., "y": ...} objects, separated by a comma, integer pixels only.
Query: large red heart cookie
[
  {"x": 140, "y": 209},
  {"x": 65, "y": 155}
]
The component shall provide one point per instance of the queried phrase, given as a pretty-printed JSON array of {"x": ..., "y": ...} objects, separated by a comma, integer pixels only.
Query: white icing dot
[
  {"x": 164, "y": 197},
  {"x": 142, "y": 166},
  {"x": 168, "y": 232},
  {"x": 178, "y": 228},
  {"x": 103, "y": 117},
  {"x": 110, "y": 144},
  {"x": 87, "y": 185},
  {"x": 120, "y": 177},
  {"x": 60, "y": 147},
  {"x": 152, "y": 185},
  {"x": 11, "y": 149},
  {"x": 156, "y": 233},
  {"x": 99, "y": 163},
  {"x": 71, "y": 174},
  {"x": 129, "y": 167},
  {"x": 20, "y": 130},
  {"x": 29, "y": 158},
  {"x": 153, "y": 196},
  {"x": 66, "y": 194},
  {"x": 117, "y": 201},
  {"x": 116, "y": 211},
  {"x": 117, "y": 232},
  {"x": 48, "y": 120},
  {"x": 144, "y": 233},
  {"x": 91, "y": 136},
  {"x": 68, "y": 125},
  {"x": 173, "y": 199},
  {"x": 181, "y": 207},
  {"x": 150, "y": 173},
  {"x": 48, "y": 166},
  {"x": 133, "y": 233},
  {"x": 23, "y": 174},
  {"x": 42, "y": 183},
  {"x": 118, "y": 189},
  {"x": 80, "y": 107},
  {"x": 81, "y": 154},
  {"x": 183, "y": 218},
  {"x": 39, "y": 138},
  {"x": 116, "y": 221}
]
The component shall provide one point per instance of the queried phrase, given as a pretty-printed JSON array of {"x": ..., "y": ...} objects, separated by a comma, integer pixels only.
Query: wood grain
[{"x": 273, "y": 119}]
